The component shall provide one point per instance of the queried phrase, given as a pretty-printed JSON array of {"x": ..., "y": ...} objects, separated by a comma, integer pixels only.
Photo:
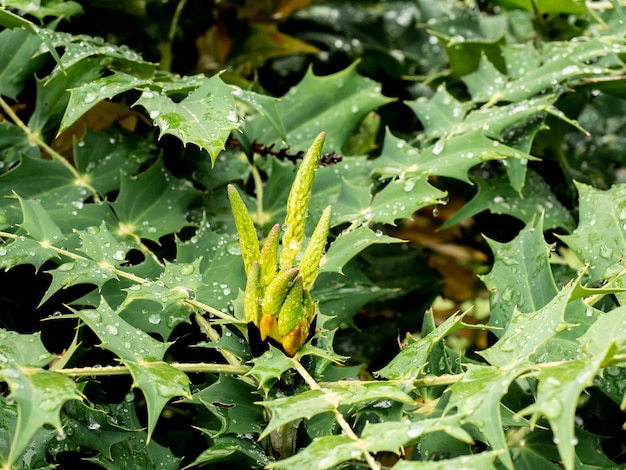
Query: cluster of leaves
[{"x": 122, "y": 236}]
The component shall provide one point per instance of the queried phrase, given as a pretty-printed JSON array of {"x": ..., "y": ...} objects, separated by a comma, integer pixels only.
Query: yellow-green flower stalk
[
  {"x": 277, "y": 298},
  {"x": 269, "y": 256},
  {"x": 298, "y": 203},
  {"x": 310, "y": 261},
  {"x": 248, "y": 239},
  {"x": 252, "y": 295}
]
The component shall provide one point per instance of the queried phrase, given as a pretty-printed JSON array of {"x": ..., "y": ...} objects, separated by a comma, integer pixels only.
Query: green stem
[
  {"x": 131, "y": 277},
  {"x": 345, "y": 426},
  {"x": 184, "y": 367},
  {"x": 258, "y": 189},
  {"x": 35, "y": 138},
  {"x": 166, "y": 55}
]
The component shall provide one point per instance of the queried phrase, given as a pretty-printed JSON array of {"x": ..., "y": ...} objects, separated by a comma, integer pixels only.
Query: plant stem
[
  {"x": 184, "y": 367},
  {"x": 345, "y": 426},
  {"x": 35, "y": 138},
  {"x": 166, "y": 55},
  {"x": 131, "y": 277},
  {"x": 258, "y": 189}
]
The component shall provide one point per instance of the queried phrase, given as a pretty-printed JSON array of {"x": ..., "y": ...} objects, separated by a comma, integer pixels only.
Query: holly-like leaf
[
  {"x": 520, "y": 279},
  {"x": 101, "y": 246},
  {"x": 269, "y": 367},
  {"x": 153, "y": 203},
  {"x": 81, "y": 271},
  {"x": 159, "y": 382},
  {"x": 206, "y": 117},
  {"x": 451, "y": 157},
  {"x": 600, "y": 239},
  {"x": 312, "y": 402},
  {"x": 480, "y": 461},
  {"x": 499, "y": 197},
  {"x": 558, "y": 393},
  {"x": 233, "y": 402},
  {"x": 221, "y": 265},
  {"x": 410, "y": 361},
  {"x": 345, "y": 247},
  {"x": 565, "y": 65},
  {"x": 46, "y": 8},
  {"x": 324, "y": 452},
  {"x": 341, "y": 295},
  {"x": 265, "y": 106},
  {"x": 17, "y": 47},
  {"x": 227, "y": 446},
  {"x": 47, "y": 180},
  {"x": 477, "y": 397},
  {"x": 39, "y": 393},
  {"x": 526, "y": 332},
  {"x": 159, "y": 306},
  {"x": 119, "y": 337},
  {"x": 90, "y": 93},
  {"x": 440, "y": 114},
  {"x": 334, "y": 103}
]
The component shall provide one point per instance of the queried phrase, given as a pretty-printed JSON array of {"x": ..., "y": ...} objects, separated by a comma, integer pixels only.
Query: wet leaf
[
  {"x": 335, "y": 103},
  {"x": 523, "y": 263},
  {"x": 153, "y": 203},
  {"x": 205, "y": 117},
  {"x": 39, "y": 394}
]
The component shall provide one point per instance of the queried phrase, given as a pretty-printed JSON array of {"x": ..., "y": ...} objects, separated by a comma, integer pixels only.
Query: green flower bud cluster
[{"x": 277, "y": 298}]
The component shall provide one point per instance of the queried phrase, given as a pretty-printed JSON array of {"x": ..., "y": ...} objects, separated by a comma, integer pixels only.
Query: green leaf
[
  {"x": 227, "y": 446},
  {"x": 312, "y": 402},
  {"x": 159, "y": 382},
  {"x": 499, "y": 197},
  {"x": 600, "y": 239},
  {"x": 88, "y": 94},
  {"x": 335, "y": 103},
  {"x": 341, "y": 295},
  {"x": 49, "y": 181},
  {"x": 265, "y": 106},
  {"x": 205, "y": 117},
  {"x": 101, "y": 246},
  {"x": 401, "y": 198},
  {"x": 152, "y": 204},
  {"x": 347, "y": 246},
  {"x": 411, "y": 360},
  {"x": 480, "y": 461},
  {"x": 73, "y": 273},
  {"x": 24, "y": 250},
  {"x": 452, "y": 156},
  {"x": 324, "y": 452},
  {"x": 558, "y": 393},
  {"x": 392, "y": 436},
  {"x": 42, "y": 9},
  {"x": 520, "y": 279},
  {"x": 440, "y": 114},
  {"x": 38, "y": 224},
  {"x": 573, "y": 7},
  {"x": 221, "y": 265},
  {"x": 526, "y": 332},
  {"x": 233, "y": 401},
  {"x": 485, "y": 81},
  {"x": 17, "y": 47},
  {"x": 269, "y": 367},
  {"x": 34, "y": 455},
  {"x": 83, "y": 48},
  {"x": 39, "y": 393},
  {"x": 477, "y": 397},
  {"x": 91, "y": 428},
  {"x": 52, "y": 96},
  {"x": 136, "y": 451},
  {"x": 117, "y": 336}
]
